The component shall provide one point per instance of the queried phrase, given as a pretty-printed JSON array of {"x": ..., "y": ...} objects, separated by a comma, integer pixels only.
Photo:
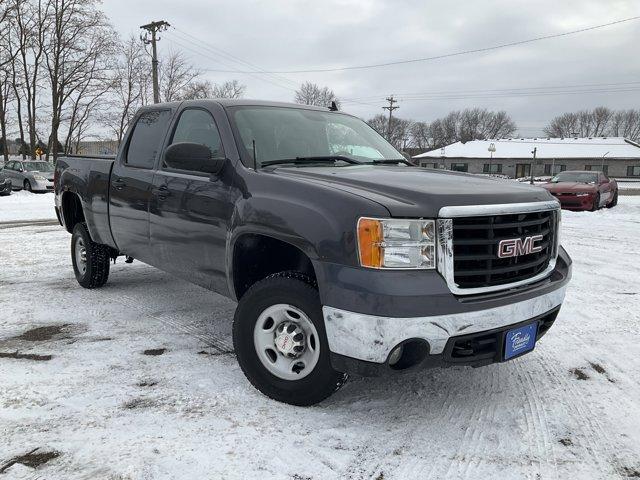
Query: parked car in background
[
  {"x": 583, "y": 190},
  {"x": 5, "y": 184},
  {"x": 30, "y": 175}
]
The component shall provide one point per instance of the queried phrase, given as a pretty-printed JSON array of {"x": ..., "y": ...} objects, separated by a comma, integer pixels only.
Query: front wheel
[
  {"x": 280, "y": 341},
  {"x": 27, "y": 186},
  {"x": 90, "y": 260},
  {"x": 614, "y": 201},
  {"x": 596, "y": 203}
]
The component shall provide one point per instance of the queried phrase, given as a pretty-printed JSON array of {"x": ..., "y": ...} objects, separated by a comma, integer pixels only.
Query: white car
[{"x": 30, "y": 175}]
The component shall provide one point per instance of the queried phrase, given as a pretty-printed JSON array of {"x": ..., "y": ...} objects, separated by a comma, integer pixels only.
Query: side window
[
  {"x": 147, "y": 137},
  {"x": 9, "y": 165},
  {"x": 198, "y": 126}
]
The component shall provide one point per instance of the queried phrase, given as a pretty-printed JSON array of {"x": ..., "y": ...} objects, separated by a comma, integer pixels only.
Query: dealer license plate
[{"x": 520, "y": 340}]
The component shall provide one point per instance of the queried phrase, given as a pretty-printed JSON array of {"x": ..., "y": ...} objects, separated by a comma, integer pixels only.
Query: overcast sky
[{"x": 295, "y": 35}]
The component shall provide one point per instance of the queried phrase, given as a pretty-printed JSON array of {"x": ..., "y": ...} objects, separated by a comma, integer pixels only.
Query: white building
[{"x": 616, "y": 156}]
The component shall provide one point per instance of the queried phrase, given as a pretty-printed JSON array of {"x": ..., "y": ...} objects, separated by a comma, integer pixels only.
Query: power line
[
  {"x": 504, "y": 90},
  {"x": 232, "y": 57},
  {"x": 447, "y": 55},
  {"x": 217, "y": 60},
  {"x": 509, "y": 95}
]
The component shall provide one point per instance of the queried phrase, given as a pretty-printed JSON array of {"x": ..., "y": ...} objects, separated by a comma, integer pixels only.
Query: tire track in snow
[
  {"x": 217, "y": 342},
  {"x": 546, "y": 454},
  {"x": 593, "y": 433}
]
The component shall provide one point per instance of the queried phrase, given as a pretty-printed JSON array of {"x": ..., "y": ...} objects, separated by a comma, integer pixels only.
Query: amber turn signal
[{"x": 370, "y": 242}]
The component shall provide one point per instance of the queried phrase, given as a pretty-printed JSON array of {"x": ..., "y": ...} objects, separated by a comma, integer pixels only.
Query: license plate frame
[{"x": 520, "y": 340}]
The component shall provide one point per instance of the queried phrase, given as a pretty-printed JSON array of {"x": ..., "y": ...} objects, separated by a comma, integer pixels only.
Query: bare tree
[
  {"x": 78, "y": 48},
  {"x": 129, "y": 81},
  {"x": 626, "y": 123},
  {"x": 29, "y": 30},
  {"x": 399, "y": 133},
  {"x": 229, "y": 89},
  {"x": 312, "y": 94},
  {"x": 175, "y": 75},
  {"x": 421, "y": 135},
  {"x": 7, "y": 57},
  {"x": 206, "y": 89},
  {"x": 598, "y": 122}
]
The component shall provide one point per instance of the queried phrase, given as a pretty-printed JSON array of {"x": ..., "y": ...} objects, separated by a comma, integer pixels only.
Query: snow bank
[{"x": 23, "y": 205}]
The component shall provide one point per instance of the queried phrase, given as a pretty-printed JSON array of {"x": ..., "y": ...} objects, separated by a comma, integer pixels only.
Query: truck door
[
  {"x": 131, "y": 179},
  {"x": 191, "y": 210}
]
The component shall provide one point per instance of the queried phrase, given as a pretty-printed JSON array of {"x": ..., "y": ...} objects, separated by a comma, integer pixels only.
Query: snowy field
[{"x": 138, "y": 381}]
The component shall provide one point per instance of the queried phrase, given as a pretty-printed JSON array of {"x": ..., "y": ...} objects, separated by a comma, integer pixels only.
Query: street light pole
[
  {"x": 492, "y": 148},
  {"x": 602, "y": 166},
  {"x": 535, "y": 149}
]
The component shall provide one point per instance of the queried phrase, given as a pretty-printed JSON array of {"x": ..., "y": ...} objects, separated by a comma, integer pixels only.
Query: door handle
[
  {"x": 118, "y": 183},
  {"x": 161, "y": 192}
]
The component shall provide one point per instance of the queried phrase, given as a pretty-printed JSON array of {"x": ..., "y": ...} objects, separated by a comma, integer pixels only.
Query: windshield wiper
[
  {"x": 312, "y": 160},
  {"x": 393, "y": 162}
]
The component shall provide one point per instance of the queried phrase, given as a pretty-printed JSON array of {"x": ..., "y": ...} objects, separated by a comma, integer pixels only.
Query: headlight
[
  {"x": 397, "y": 243},
  {"x": 583, "y": 194}
]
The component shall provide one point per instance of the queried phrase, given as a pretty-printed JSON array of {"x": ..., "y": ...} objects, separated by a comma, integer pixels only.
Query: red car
[{"x": 583, "y": 190}]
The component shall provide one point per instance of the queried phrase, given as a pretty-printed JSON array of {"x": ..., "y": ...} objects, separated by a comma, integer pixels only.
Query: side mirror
[{"x": 193, "y": 157}]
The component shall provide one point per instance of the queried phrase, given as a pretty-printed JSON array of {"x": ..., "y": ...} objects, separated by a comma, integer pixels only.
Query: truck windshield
[
  {"x": 38, "y": 167},
  {"x": 289, "y": 133}
]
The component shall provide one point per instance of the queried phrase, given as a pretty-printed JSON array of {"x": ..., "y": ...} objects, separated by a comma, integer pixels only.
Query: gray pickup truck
[{"x": 343, "y": 257}]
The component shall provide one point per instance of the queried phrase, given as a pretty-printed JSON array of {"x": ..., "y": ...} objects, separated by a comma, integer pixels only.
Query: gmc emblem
[{"x": 515, "y": 247}]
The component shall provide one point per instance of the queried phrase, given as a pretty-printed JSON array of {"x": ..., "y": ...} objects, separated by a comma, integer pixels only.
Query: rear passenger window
[
  {"x": 198, "y": 126},
  {"x": 147, "y": 137}
]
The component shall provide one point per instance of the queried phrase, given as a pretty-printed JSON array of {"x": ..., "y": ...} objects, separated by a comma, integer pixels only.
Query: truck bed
[{"x": 88, "y": 177}]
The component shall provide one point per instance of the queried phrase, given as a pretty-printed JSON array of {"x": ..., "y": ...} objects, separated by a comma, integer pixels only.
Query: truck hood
[{"x": 417, "y": 192}]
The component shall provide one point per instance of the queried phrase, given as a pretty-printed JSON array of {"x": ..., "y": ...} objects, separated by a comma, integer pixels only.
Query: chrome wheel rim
[
  {"x": 286, "y": 342},
  {"x": 81, "y": 255}
]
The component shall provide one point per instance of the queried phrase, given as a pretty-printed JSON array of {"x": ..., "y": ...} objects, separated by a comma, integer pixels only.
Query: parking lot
[{"x": 138, "y": 380}]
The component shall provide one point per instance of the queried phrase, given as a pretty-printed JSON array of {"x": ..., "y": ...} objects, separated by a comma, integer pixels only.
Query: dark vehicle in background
[
  {"x": 583, "y": 190},
  {"x": 5, "y": 184},
  {"x": 30, "y": 175},
  {"x": 342, "y": 256}
]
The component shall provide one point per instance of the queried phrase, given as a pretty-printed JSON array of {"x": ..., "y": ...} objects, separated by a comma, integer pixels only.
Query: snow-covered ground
[
  {"x": 23, "y": 206},
  {"x": 85, "y": 388}
]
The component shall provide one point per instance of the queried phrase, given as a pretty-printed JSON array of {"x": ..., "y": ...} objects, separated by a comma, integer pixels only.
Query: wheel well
[
  {"x": 71, "y": 210},
  {"x": 257, "y": 256}
]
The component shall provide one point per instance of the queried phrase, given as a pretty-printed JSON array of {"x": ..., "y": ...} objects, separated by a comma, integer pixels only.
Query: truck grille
[{"x": 475, "y": 248}]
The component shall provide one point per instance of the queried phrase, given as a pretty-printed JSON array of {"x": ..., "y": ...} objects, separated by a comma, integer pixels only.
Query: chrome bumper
[{"x": 371, "y": 338}]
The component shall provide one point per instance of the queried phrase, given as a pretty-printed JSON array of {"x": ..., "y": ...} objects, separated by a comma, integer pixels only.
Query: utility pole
[
  {"x": 391, "y": 108},
  {"x": 153, "y": 28}
]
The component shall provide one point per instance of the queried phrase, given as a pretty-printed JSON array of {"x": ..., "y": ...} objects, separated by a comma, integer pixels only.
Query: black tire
[
  {"x": 294, "y": 289},
  {"x": 596, "y": 203},
  {"x": 96, "y": 266},
  {"x": 613, "y": 202},
  {"x": 27, "y": 186}
]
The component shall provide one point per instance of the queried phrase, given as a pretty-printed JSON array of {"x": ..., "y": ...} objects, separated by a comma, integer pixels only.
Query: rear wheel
[
  {"x": 596, "y": 203},
  {"x": 27, "y": 186},
  {"x": 614, "y": 201},
  {"x": 280, "y": 341},
  {"x": 90, "y": 260}
]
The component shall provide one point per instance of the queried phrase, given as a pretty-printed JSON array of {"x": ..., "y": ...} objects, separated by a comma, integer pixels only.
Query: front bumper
[
  {"x": 361, "y": 342},
  {"x": 42, "y": 186},
  {"x": 574, "y": 202}
]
